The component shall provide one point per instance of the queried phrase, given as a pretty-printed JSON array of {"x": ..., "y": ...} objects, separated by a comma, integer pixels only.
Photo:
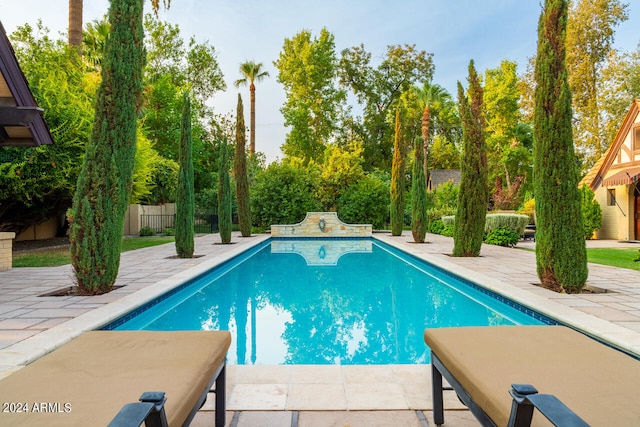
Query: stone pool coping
[{"x": 148, "y": 273}]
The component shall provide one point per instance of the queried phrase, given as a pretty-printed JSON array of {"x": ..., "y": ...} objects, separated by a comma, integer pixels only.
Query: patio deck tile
[{"x": 397, "y": 395}]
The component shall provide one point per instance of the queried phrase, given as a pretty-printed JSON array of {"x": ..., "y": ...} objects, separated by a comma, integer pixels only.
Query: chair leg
[
  {"x": 221, "y": 397},
  {"x": 436, "y": 389}
]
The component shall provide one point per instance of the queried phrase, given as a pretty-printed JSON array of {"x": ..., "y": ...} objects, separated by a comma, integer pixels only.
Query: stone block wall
[
  {"x": 6, "y": 246},
  {"x": 322, "y": 224}
]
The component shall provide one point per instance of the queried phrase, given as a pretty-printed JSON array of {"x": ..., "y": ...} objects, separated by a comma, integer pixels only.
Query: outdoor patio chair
[
  {"x": 97, "y": 378},
  {"x": 491, "y": 368}
]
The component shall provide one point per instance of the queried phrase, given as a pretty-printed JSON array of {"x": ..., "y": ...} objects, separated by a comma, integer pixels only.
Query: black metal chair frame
[
  {"x": 525, "y": 400},
  {"x": 150, "y": 408}
]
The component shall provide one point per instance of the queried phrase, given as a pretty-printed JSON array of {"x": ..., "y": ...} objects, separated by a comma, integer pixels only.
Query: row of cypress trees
[
  {"x": 104, "y": 185},
  {"x": 560, "y": 245},
  {"x": 96, "y": 218}
]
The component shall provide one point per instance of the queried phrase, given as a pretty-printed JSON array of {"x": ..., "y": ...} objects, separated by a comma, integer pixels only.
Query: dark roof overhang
[{"x": 21, "y": 120}]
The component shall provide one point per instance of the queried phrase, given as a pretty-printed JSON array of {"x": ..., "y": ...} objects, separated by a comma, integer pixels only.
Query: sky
[{"x": 455, "y": 32}]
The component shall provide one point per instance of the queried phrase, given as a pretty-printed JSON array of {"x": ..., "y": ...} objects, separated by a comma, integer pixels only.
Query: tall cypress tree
[
  {"x": 397, "y": 181},
  {"x": 474, "y": 191},
  {"x": 104, "y": 184},
  {"x": 224, "y": 195},
  {"x": 560, "y": 248},
  {"x": 418, "y": 194},
  {"x": 240, "y": 173},
  {"x": 185, "y": 199}
]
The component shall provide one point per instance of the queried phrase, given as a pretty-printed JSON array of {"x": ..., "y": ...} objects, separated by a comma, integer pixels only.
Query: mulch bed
[{"x": 29, "y": 245}]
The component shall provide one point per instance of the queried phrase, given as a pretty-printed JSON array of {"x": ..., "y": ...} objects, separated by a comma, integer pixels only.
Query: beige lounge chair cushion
[
  {"x": 100, "y": 371},
  {"x": 600, "y": 384}
]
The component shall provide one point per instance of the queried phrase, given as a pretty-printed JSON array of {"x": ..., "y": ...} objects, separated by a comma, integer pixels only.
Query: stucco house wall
[{"x": 615, "y": 180}]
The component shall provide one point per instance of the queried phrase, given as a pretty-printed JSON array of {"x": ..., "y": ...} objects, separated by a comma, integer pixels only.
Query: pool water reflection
[{"x": 337, "y": 301}]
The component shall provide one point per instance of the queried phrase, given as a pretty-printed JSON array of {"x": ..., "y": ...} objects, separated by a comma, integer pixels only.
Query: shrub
[
  {"x": 366, "y": 202},
  {"x": 514, "y": 222},
  {"x": 447, "y": 230},
  {"x": 591, "y": 212},
  {"x": 445, "y": 196},
  {"x": 435, "y": 227},
  {"x": 528, "y": 208},
  {"x": 147, "y": 231},
  {"x": 169, "y": 231},
  {"x": 434, "y": 218},
  {"x": 502, "y": 236},
  {"x": 283, "y": 194},
  {"x": 448, "y": 220}
]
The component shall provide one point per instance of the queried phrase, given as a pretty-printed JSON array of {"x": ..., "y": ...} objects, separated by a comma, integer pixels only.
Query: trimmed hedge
[{"x": 513, "y": 222}]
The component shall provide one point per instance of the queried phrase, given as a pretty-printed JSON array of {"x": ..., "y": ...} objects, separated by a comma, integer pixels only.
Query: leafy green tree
[
  {"x": 509, "y": 140},
  {"x": 342, "y": 167},
  {"x": 104, "y": 185},
  {"x": 397, "y": 181},
  {"x": 241, "y": 175},
  {"x": 560, "y": 248},
  {"x": 589, "y": 37},
  {"x": 621, "y": 85},
  {"x": 164, "y": 181},
  {"x": 365, "y": 202},
  {"x": 224, "y": 195},
  {"x": 175, "y": 65},
  {"x": 591, "y": 212},
  {"x": 144, "y": 169},
  {"x": 378, "y": 90},
  {"x": 418, "y": 195},
  {"x": 307, "y": 69},
  {"x": 251, "y": 73},
  {"x": 284, "y": 193},
  {"x": 443, "y": 154},
  {"x": 185, "y": 202},
  {"x": 37, "y": 183},
  {"x": 473, "y": 196}
]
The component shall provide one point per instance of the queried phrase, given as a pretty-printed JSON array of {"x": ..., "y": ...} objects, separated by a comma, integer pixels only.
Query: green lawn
[
  {"x": 61, "y": 256},
  {"x": 623, "y": 258}
]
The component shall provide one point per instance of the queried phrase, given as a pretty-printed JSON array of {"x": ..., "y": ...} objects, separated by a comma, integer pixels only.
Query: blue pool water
[{"x": 339, "y": 301}]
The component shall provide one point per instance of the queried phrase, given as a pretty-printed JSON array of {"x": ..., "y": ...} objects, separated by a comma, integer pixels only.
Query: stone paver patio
[{"x": 398, "y": 395}]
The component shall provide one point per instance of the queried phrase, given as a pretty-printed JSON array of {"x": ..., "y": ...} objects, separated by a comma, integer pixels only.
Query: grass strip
[{"x": 61, "y": 256}]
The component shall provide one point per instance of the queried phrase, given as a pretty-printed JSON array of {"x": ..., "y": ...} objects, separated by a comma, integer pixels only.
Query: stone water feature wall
[{"x": 322, "y": 224}]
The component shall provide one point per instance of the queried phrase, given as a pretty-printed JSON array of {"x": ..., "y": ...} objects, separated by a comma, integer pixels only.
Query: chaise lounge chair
[
  {"x": 95, "y": 380},
  {"x": 496, "y": 370}
]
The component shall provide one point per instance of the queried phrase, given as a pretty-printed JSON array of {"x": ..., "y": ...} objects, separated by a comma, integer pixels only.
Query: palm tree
[
  {"x": 432, "y": 96},
  {"x": 251, "y": 73},
  {"x": 75, "y": 20},
  {"x": 93, "y": 40},
  {"x": 75, "y": 24}
]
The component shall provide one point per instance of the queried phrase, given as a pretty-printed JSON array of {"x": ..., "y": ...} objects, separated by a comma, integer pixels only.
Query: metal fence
[
  {"x": 157, "y": 222},
  {"x": 207, "y": 223}
]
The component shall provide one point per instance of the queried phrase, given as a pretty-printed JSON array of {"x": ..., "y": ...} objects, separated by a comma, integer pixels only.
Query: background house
[{"x": 615, "y": 180}]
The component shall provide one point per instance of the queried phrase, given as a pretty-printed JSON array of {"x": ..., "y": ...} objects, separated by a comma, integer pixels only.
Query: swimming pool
[{"x": 326, "y": 301}]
